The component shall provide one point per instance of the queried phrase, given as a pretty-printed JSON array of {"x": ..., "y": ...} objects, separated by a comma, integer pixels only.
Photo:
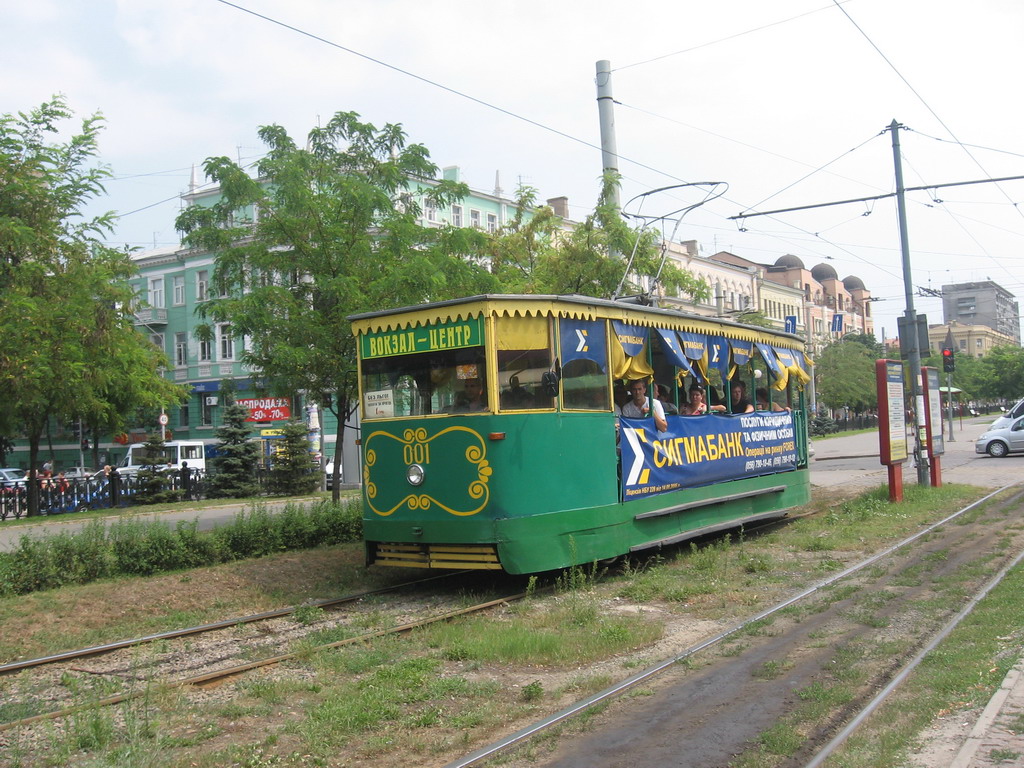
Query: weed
[
  {"x": 533, "y": 691},
  {"x": 1003, "y": 755},
  {"x": 308, "y": 614}
]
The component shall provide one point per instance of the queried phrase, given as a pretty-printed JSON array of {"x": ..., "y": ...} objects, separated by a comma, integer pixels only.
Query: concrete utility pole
[
  {"x": 913, "y": 353},
  {"x": 606, "y": 114}
]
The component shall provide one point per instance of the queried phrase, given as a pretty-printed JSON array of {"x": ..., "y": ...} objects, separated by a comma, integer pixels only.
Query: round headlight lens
[{"x": 414, "y": 474}]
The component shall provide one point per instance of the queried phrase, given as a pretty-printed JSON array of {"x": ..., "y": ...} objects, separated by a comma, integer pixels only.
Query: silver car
[{"x": 1001, "y": 441}]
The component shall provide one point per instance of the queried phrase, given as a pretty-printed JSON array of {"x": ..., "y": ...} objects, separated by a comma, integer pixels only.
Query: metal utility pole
[{"x": 913, "y": 353}]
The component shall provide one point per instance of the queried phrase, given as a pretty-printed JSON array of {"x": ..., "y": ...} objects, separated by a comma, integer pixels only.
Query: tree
[
  {"x": 602, "y": 256},
  {"x": 335, "y": 233},
  {"x": 70, "y": 348},
  {"x": 233, "y": 470},
  {"x": 292, "y": 472},
  {"x": 844, "y": 375},
  {"x": 153, "y": 482},
  {"x": 1003, "y": 373}
]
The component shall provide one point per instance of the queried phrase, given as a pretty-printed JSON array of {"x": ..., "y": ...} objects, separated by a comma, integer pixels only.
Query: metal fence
[{"x": 57, "y": 496}]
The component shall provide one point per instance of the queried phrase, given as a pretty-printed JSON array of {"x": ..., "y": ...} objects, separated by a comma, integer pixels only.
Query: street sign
[{"x": 163, "y": 419}]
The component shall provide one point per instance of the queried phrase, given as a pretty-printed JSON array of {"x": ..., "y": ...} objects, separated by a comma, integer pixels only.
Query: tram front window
[{"x": 425, "y": 384}]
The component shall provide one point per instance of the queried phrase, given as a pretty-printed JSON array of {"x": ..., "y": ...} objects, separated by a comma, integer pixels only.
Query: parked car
[
  {"x": 999, "y": 442},
  {"x": 329, "y": 471},
  {"x": 1007, "y": 417},
  {"x": 11, "y": 477},
  {"x": 77, "y": 473}
]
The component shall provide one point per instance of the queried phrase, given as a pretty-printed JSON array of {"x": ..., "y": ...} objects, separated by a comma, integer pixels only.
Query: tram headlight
[{"x": 414, "y": 474}]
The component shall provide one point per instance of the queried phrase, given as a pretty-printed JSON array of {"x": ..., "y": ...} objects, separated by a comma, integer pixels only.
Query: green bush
[{"x": 142, "y": 548}]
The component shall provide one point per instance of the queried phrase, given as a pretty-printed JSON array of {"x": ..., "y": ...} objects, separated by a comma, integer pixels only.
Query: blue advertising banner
[
  {"x": 702, "y": 450},
  {"x": 718, "y": 356},
  {"x": 583, "y": 340},
  {"x": 632, "y": 337}
]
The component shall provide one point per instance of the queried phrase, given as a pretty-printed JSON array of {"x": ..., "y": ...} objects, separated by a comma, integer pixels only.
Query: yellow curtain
[
  {"x": 518, "y": 333},
  {"x": 625, "y": 367}
]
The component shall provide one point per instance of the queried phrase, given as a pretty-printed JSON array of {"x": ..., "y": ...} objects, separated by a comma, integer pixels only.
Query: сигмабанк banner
[{"x": 701, "y": 450}]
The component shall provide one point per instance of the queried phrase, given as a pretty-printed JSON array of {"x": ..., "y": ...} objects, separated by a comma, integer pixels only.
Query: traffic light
[{"x": 948, "y": 362}]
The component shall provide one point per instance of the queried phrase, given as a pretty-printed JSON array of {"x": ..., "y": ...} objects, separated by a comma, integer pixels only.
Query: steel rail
[
  {"x": 95, "y": 650},
  {"x": 904, "y": 673},
  {"x": 266, "y": 662},
  {"x": 621, "y": 687}
]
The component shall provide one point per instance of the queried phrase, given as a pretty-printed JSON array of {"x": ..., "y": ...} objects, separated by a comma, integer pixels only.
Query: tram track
[
  {"x": 95, "y": 650},
  {"x": 45, "y": 689},
  {"x": 624, "y": 736}
]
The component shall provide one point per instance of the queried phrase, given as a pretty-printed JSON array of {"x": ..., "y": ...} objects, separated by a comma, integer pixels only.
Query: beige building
[{"x": 973, "y": 340}]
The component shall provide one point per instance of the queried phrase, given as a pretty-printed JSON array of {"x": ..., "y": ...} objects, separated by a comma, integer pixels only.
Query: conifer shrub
[{"x": 232, "y": 471}]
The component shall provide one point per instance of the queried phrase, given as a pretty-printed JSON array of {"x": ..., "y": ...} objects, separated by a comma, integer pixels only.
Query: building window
[
  {"x": 492, "y": 223},
  {"x": 156, "y": 292},
  {"x": 963, "y": 343},
  {"x": 474, "y": 218},
  {"x": 979, "y": 343},
  {"x": 179, "y": 289},
  {"x": 202, "y": 284},
  {"x": 227, "y": 342},
  {"x": 205, "y": 351},
  {"x": 183, "y": 416},
  {"x": 456, "y": 215},
  {"x": 429, "y": 209},
  {"x": 206, "y": 411},
  {"x": 180, "y": 349},
  {"x": 158, "y": 341}
]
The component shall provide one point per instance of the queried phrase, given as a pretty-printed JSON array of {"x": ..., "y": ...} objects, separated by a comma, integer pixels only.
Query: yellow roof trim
[{"x": 575, "y": 307}]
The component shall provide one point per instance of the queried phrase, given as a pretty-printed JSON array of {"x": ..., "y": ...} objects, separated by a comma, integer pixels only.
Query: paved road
[{"x": 851, "y": 461}]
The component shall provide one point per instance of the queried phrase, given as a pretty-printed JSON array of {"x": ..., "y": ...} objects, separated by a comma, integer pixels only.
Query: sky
[{"x": 764, "y": 105}]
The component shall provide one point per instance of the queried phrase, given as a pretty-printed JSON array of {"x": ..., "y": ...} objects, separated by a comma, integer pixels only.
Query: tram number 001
[{"x": 417, "y": 454}]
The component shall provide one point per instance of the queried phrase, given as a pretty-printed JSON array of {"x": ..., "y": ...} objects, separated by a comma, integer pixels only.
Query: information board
[{"x": 892, "y": 412}]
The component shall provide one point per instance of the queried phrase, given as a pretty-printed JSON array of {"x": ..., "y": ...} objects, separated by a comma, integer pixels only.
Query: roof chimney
[{"x": 560, "y": 205}]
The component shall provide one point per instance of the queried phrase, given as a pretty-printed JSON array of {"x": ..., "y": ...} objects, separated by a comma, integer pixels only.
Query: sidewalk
[{"x": 998, "y": 730}]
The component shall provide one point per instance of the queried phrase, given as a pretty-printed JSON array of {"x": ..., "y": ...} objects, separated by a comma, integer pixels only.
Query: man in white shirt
[{"x": 639, "y": 407}]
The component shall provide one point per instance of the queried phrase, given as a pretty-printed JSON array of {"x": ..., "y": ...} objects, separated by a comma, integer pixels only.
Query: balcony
[{"x": 151, "y": 316}]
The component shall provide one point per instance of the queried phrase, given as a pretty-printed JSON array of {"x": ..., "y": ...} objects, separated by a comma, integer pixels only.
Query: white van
[
  {"x": 1009, "y": 416},
  {"x": 170, "y": 456}
]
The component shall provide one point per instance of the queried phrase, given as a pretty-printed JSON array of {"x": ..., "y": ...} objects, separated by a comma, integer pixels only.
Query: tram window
[
  {"x": 524, "y": 356},
  {"x": 584, "y": 353},
  {"x": 421, "y": 384}
]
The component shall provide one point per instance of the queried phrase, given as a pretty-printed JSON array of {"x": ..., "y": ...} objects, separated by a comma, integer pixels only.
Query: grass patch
[{"x": 571, "y": 630}]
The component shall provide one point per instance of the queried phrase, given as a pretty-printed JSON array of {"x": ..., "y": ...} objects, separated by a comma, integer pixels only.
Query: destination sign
[{"x": 434, "y": 338}]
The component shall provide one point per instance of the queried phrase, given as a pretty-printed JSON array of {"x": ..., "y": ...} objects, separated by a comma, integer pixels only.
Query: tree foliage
[
  {"x": 320, "y": 233},
  {"x": 69, "y": 348},
  {"x": 602, "y": 256},
  {"x": 844, "y": 376}
]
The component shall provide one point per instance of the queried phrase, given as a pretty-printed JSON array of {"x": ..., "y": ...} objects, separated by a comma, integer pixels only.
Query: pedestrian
[{"x": 186, "y": 481}]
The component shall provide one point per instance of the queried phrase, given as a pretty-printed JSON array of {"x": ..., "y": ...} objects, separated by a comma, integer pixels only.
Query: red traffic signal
[{"x": 948, "y": 361}]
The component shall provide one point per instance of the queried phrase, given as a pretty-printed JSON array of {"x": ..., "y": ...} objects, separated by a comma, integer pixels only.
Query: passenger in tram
[
  {"x": 740, "y": 404},
  {"x": 639, "y": 407},
  {"x": 761, "y": 397},
  {"x": 697, "y": 406},
  {"x": 471, "y": 398},
  {"x": 516, "y": 396},
  {"x": 666, "y": 400}
]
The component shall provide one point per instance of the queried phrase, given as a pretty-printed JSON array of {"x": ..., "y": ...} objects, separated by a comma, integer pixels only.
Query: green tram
[{"x": 491, "y": 436}]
